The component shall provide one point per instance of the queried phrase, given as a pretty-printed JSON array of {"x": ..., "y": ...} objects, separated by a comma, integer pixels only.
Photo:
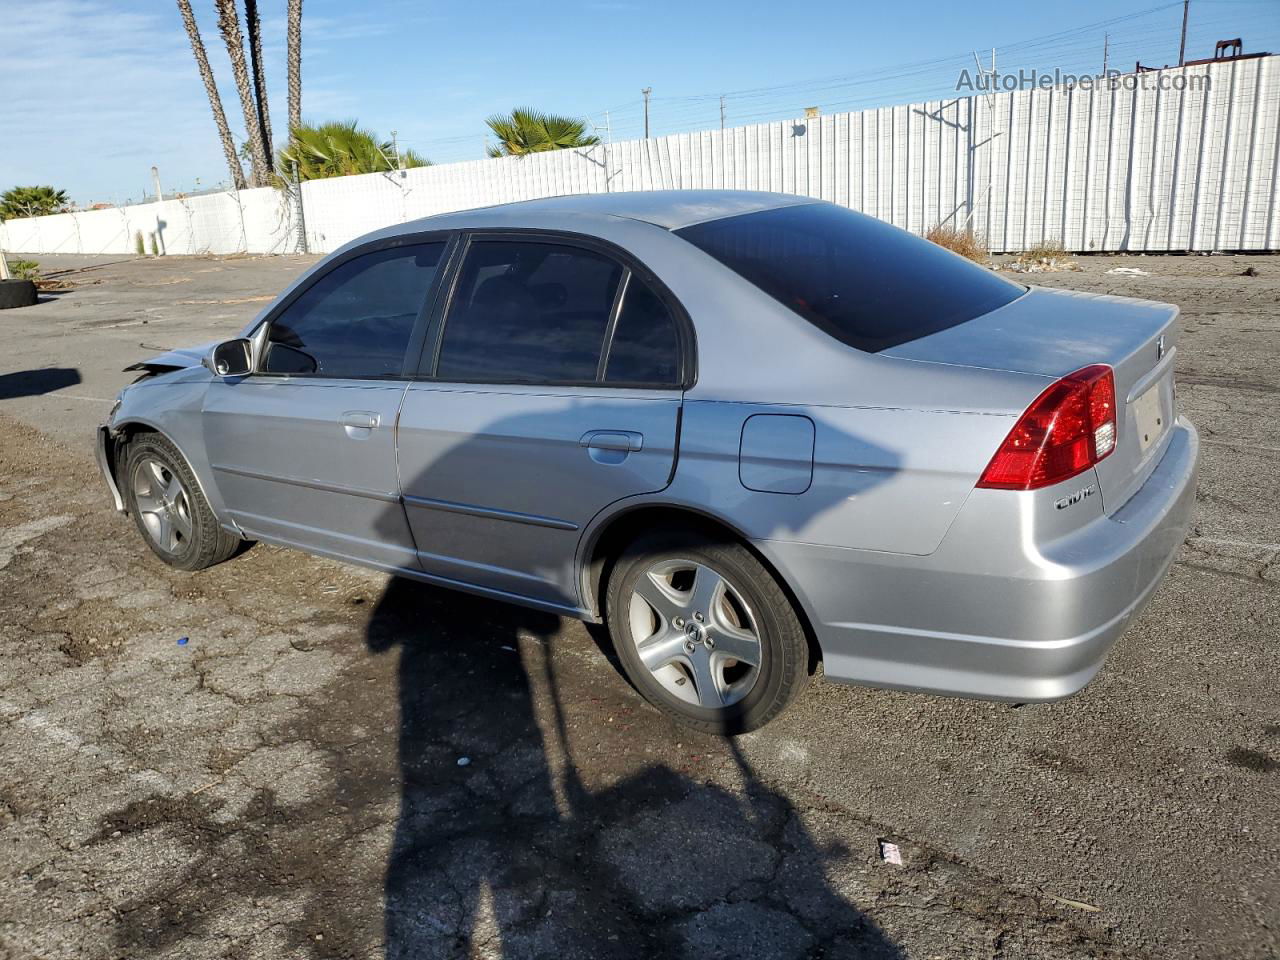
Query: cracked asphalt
[{"x": 338, "y": 764}]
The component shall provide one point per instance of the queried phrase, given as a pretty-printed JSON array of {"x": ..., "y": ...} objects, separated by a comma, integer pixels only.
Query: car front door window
[{"x": 356, "y": 321}]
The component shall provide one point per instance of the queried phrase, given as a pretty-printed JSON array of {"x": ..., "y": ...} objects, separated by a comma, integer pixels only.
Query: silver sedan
[{"x": 750, "y": 432}]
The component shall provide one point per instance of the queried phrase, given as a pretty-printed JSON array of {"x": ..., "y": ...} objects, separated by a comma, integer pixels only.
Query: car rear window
[{"x": 866, "y": 283}]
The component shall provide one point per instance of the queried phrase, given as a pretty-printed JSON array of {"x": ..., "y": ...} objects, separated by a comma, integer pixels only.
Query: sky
[{"x": 93, "y": 93}]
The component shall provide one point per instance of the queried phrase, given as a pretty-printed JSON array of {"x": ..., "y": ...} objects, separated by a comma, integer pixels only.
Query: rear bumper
[
  {"x": 989, "y": 615},
  {"x": 102, "y": 445}
]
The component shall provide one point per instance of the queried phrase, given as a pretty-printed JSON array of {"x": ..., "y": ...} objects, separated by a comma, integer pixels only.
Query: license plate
[{"x": 1150, "y": 417}]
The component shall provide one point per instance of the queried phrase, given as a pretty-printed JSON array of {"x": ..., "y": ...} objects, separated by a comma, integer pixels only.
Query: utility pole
[
  {"x": 1106, "y": 45},
  {"x": 395, "y": 149},
  {"x": 1182, "y": 47},
  {"x": 646, "y": 91},
  {"x": 722, "y": 113}
]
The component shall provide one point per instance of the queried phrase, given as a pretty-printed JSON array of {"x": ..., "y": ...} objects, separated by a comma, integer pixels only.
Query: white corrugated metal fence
[{"x": 1183, "y": 159}]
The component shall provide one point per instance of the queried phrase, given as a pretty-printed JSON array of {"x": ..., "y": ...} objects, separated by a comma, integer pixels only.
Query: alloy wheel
[
  {"x": 163, "y": 505},
  {"x": 695, "y": 633}
]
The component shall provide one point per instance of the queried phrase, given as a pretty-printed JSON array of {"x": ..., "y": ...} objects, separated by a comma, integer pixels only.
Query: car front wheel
[
  {"x": 170, "y": 511},
  {"x": 706, "y": 633}
]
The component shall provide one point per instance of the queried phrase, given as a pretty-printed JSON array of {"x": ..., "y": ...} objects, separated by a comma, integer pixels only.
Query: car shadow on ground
[
  {"x": 513, "y": 855},
  {"x": 32, "y": 383}
]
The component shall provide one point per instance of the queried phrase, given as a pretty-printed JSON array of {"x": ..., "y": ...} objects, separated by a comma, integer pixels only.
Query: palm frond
[
  {"x": 20, "y": 202},
  {"x": 526, "y": 130},
  {"x": 341, "y": 148}
]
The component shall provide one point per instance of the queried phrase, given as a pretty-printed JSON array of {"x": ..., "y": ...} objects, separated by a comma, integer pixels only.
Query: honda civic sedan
[{"x": 751, "y": 433}]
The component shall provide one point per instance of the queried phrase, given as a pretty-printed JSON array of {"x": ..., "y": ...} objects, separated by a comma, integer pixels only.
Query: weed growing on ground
[{"x": 964, "y": 242}]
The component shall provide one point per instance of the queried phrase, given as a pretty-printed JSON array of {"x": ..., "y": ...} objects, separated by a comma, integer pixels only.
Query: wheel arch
[
  {"x": 120, "y": 435},
  {"x": 605, "y": 542}
]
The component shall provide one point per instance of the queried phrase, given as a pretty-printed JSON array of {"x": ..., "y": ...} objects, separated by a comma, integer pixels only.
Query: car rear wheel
[
  {"x": 171, "y": 513},
  {"x": 706, "y": 633}
]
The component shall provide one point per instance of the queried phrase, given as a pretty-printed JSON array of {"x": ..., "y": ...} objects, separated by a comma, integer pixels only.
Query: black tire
[
  {"x": 782, "y": 673},
  {"x": 17, "y": 293},
  {"x": 207, "y": 542}
]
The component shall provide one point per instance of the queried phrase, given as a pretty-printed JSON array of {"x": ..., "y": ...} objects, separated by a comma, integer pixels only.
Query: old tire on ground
[
  {"x": 705, "y": 632},
  {"x": 168, "y": 508},
  {"x": 17, "y": 293}
]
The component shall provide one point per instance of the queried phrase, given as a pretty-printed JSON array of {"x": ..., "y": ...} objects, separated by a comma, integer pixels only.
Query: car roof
[{"x": 670, "y": 209}]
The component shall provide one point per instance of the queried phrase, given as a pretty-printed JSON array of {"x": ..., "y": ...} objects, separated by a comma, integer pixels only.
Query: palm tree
[
  {"x": 528, "y": 131},
  {"x": 31, "y": 202},
  {"x": 253, "y": 26},
  {"x": 210, "y": 88},
  {"x": 229, "y": 26},
  {"x": 341, "y": 148},
  {"x": 295, "y": 63}
]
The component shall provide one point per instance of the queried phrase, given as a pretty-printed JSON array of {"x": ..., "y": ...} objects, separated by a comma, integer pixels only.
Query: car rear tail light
[{"x": 1069, "y": 428}]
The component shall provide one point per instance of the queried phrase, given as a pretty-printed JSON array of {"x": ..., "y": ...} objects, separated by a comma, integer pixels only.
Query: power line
[
  {"x": 907, "y": 86},
  {"x": 912, "y": 81}
]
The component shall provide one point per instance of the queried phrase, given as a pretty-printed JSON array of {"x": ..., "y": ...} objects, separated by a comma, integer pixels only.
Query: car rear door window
[
  {"x": 528, "y": 312},
  {"x": 861, "y": 280},
  {"x": 645, "y": 345},
  {"x": 356, "y": 320}
]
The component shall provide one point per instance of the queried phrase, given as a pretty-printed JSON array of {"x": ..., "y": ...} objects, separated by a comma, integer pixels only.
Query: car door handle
[
  {"x": 360, "y": 419},
  {"x": 626, "y": 441}
]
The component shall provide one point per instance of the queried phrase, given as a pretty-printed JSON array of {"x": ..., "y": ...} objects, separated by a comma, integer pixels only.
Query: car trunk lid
[{"x": 1053, "y": 333}]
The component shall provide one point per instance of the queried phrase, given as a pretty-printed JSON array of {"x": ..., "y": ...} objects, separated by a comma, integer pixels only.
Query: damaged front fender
[{"x": 179, "y": 359}]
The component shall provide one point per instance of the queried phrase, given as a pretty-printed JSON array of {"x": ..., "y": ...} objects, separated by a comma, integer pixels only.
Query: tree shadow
[
  {"x": 33, "y": 383},
  {"x": 513, "y": 854}
]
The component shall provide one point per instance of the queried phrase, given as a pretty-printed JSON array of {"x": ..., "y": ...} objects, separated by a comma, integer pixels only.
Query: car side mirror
[{"x": 231, "y": 358}]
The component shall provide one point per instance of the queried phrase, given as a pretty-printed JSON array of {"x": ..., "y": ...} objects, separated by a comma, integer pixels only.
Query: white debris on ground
[
  {"x": 1129, "y": 272},
  {"x": 890, "y": 853},
  {"x": 1040, "y": 265}
]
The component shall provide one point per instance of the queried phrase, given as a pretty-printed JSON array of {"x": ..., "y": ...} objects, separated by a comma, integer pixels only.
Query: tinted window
[
  {"x": 532, "y": 312},
  {"x": 356, "y": 320},
  {"x": 861, "y": 280},
  {"x": 644, "y": 347}
]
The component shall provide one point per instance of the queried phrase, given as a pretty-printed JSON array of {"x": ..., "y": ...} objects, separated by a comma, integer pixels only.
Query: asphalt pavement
[{"x": 286, "y": 757}]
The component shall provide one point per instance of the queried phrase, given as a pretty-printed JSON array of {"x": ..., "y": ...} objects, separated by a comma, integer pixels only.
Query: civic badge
[{"x": 1160, "y": 347}]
